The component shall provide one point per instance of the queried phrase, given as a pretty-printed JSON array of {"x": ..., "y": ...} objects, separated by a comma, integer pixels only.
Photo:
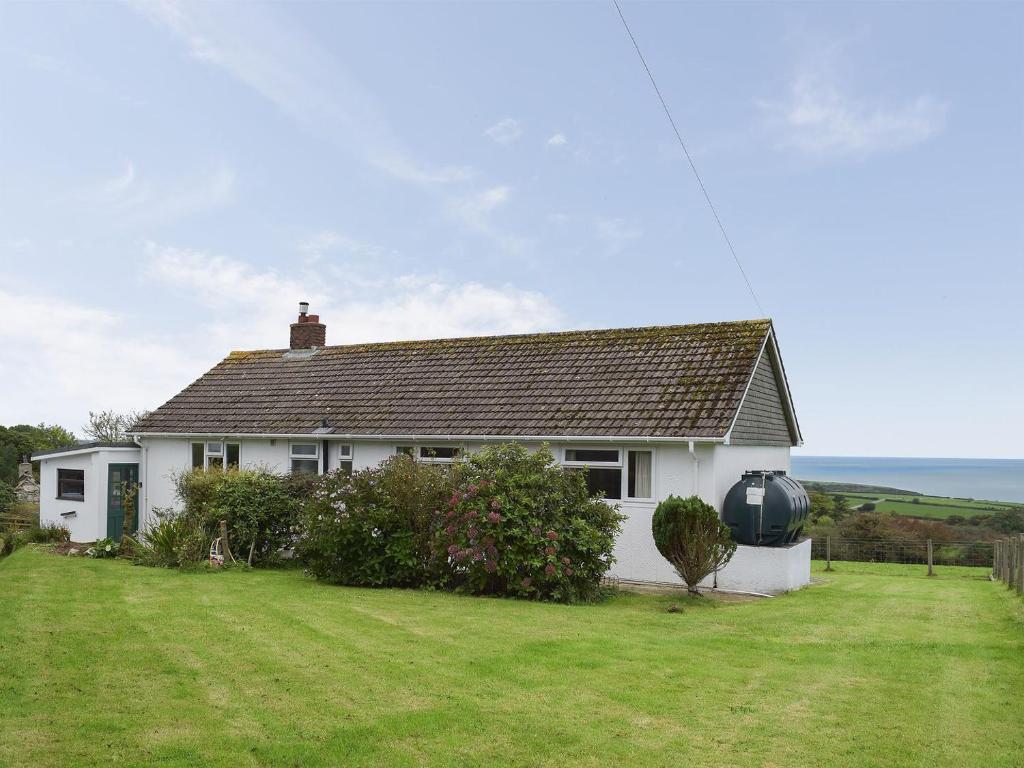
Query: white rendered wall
[
  {"x": 85, "y": 524},
  {"x": 767, "y": 570}
]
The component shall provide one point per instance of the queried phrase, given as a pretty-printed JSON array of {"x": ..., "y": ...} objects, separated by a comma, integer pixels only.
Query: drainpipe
[
  {"x": 696, "y": 469},
  {"x": 143, "y": 481}
]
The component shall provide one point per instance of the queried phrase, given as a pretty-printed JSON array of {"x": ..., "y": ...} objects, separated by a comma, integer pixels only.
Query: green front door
[{"x": 119, "y": 478}]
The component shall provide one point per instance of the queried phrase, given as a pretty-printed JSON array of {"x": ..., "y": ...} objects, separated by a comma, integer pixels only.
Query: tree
[
  {"x": 690, "y": 535},
  {"x": 111, "y": 426},
  {"x": 23, "y": 440},
  {"x": 840, "y": 507},
  {"x": 821, "y": 505}
]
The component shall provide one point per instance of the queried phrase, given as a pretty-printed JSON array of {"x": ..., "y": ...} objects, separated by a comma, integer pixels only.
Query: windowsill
[{"x": 77, "y": 499}]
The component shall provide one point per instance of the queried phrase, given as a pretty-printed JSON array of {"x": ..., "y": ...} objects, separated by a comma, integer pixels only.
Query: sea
[{"x": 988, "y": 479}]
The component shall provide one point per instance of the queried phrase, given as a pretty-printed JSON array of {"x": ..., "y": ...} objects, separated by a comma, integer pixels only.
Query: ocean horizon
[{"x": 989, "y": 479}]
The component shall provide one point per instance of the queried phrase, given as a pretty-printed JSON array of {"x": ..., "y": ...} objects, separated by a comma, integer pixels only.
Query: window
[
  {"x": 603, "y": 467},
  {"x": 345, "y": 458},
  {"x": 305, "y": 457},
  {"x": 215, "y": 454},
  {"x": 71, "y": 484},
  {"x": 591, "y": 456},
  {"x": 406, "y": 450},
  {"x": 638, "y": 474},
  {"x": 439, "y": 453},
  {"x": 609, "y": 475}
]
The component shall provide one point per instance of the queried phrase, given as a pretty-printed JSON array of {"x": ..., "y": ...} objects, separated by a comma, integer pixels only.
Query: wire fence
[
  {"x": 917, "y": 552},
  {"x": 1008, "y": 562}
]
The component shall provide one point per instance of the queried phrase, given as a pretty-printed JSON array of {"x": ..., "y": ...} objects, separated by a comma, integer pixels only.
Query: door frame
[{"x": 110, "y": 497}]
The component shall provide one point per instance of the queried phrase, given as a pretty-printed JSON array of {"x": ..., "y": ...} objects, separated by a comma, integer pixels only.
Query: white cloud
[
  {"x": 402, "y": 168},
  {"x": 131, "y": 199},
  {"x": 251, "y": 307},
  {"x": 72, "y": 357},
  {"x": 474, "y": 210},
  {"x": 819, "y": 119},
  {"x": 505, "y": 131},
  {"x": 558, "y": 140}
]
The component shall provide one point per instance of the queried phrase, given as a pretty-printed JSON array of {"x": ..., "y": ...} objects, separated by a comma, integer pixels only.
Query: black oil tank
[{"x": 767, "y": 509}]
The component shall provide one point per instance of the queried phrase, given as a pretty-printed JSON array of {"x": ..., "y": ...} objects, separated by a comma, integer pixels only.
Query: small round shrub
[{"x": 690, "y": 535}]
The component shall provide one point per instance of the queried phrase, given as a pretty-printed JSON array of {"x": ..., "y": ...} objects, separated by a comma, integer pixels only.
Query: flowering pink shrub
[{"x": 520, "y": 525}]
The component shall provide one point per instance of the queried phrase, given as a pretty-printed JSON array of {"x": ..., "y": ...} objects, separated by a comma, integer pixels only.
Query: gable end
[{"x": 762, "y": 417}]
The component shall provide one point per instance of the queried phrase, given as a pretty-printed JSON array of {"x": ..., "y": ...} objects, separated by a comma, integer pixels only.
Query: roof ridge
[{"x": 766, "y": 322}]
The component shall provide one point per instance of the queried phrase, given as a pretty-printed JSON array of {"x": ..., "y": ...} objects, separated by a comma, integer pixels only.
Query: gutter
[{"x": 424, "y": 438}]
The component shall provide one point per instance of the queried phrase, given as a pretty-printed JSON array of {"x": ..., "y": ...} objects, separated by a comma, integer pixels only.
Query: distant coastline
[{"x": 991, "y": 479}]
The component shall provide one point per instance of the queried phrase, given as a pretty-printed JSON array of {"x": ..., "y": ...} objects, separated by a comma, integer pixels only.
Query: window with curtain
[{"x": 638, "y": 476}]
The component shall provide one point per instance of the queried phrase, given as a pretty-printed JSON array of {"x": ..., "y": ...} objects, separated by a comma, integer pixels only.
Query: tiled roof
[{"x": 671, "y": 381}]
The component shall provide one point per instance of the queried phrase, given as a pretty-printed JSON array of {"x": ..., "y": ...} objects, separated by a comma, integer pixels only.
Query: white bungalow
[{"x": 649, "y": 411}]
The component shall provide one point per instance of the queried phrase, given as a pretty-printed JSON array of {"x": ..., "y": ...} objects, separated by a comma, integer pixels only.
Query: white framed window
[
  {"x": 217, "y": 454},
  {"x": 438, "y": 453},
  {"x": 305, "y": 457},
  {"x": 345, "y": 458},
  {"x": 616, "y": 472},
  {"x": 405, "y": 450},
  {"x": 603, "y": 467}
]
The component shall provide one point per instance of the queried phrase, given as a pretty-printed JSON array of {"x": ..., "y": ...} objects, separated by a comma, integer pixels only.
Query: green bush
[
  {"x": 172, "y": 541},
  {"x": 519, "y": 524},
  {"x": 503, "y": 521},
  {"x": 49, "y": 533},
  {"x": 377, "y": 526},
  {"x": 690, "y": 535},
  {"x": 261, "y": 510},
  {"x": 7, "y": 496}
]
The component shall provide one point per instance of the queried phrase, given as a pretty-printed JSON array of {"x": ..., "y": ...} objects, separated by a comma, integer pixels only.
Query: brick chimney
[{"x": 308, "y": 331}]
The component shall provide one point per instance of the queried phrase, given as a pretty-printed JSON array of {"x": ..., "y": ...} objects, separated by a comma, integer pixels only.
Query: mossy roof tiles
[{"x": 666, "y": 381}]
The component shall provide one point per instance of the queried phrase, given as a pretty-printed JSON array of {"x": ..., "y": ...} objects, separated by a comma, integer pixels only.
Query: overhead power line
[{"x": 689, "y": 159}]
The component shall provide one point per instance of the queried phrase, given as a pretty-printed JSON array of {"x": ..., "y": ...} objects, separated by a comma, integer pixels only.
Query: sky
[{"x": 175, "y": 177}]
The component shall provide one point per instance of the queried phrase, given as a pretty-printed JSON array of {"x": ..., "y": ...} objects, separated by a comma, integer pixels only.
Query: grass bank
[{"x": 105, "y": 663}]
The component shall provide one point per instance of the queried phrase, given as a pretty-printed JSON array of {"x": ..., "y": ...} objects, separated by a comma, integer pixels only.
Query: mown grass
[{"x": 108, "y": 664}]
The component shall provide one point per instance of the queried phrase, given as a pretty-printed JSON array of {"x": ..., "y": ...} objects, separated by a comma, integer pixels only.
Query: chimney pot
[{"x": 303, "y": 307}]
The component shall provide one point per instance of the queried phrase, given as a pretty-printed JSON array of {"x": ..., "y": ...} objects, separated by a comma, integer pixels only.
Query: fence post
[
  {"x": 995, "y": 559},
  {"x": 931, "y": 571},
  {"x": 1020, "y": 564},
  {"x": 828, "y": 553}
]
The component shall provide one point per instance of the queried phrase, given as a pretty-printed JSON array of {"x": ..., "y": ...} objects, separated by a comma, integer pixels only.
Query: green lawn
[{"x": 103, "y": 663}]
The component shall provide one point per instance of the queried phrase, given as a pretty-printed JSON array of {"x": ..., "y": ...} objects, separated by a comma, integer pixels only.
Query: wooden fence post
[
  {"x": 931, "y": 570},
  {"x": 828, "y": 553}
]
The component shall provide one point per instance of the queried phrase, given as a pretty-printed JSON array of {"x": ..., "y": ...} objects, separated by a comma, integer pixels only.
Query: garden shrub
[
  {"x": 502, "y": 521},
  {"x": 691, "y": 536},
  {"x": 519, "y": 524},
  {"x": 376, "y": 527},
  {"x": 260, "y": 508},
  {"x": 7, "y": 496},
  {"x": 173, "y": 540},
  {"x": 104, "y": 548}
]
